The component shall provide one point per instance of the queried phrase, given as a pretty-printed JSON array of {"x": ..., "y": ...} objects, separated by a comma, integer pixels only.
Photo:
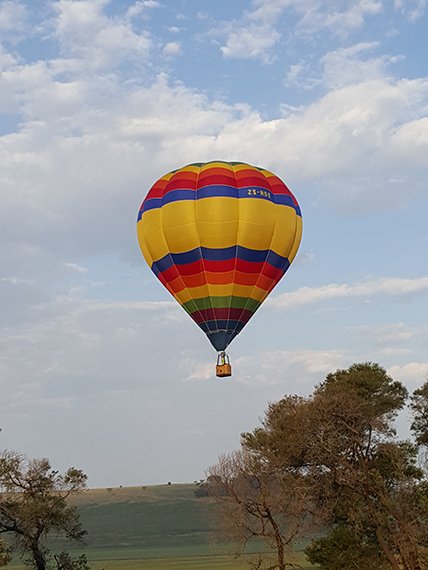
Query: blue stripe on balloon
[
  {"x": 163, "y": 264},
  {"x": 187, "y": 256},
  {"x": 223, "y": 254},
  {"x": 252, "y": 254},
  {"x": 277, "y": 260},
  {"x": 222, "y": 325},
  {"x": 212, "y": 254},
  {"x": 285, "y": 200},
  {"x": 173, "y": 196},
  {"x": 218, "y": 191},
  {"x": 221, "y": 339}
]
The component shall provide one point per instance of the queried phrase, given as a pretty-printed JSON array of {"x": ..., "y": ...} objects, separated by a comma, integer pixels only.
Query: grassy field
[
  {"x": 194, "y": 563},
  {"x": 154, "y": 528}
]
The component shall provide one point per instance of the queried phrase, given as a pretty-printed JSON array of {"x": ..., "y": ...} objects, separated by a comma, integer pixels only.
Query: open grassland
[
  {"x": 193, "y": 563},
  {"x": 154, "y": 528},
  {"x": 209, "y": 562}
]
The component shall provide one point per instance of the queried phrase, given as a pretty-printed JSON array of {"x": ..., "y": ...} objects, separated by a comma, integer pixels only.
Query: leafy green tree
[
  {"x": 346, "y": 549},
  {"x": 419, "y": 407},
  {"x": 383, "y": 396},
  {"x": 364, "y": 483},
  {"x": 376, "y": 478},
  {"x": 33, "y": 507}
]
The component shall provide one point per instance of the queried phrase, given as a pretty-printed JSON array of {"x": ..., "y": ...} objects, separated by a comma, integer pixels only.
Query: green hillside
[
  {"x": 153, "y": 528},
  {"x": 148, "y": 522}
]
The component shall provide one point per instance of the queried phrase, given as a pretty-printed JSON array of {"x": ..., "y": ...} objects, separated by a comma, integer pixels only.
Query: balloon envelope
[{"x": 219, "y": 236}]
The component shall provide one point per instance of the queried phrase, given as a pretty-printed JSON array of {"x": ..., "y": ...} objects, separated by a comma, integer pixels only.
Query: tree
[
  {"x": 33, "y": 506},
  {"x": 367, "y": 485},
  {"x": 374, "y": 478},
  {"x": 259, "y": 502},
  {"x": 419, "y": 407},
  {"x": 379, "y": 519},
  {"x": 265, "y": 491},
  {"x": 345, "y": 548}
]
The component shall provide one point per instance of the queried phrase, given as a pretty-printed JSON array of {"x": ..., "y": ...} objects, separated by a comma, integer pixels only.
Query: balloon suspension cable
[{"x": 223, "y": 367}]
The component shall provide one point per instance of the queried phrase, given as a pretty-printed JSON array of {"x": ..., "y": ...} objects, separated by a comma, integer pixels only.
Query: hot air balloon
[{"x": 219, "y": 236}]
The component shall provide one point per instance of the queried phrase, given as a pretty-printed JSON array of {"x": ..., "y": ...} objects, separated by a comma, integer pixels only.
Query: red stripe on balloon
[
  {"x": 252, "y": 267},
  {"x": 230, "y": 278},
  {"x": 181, "y": 183},
  {"x": 218, "y": 314},
  {"x": 216, "y": 179}
]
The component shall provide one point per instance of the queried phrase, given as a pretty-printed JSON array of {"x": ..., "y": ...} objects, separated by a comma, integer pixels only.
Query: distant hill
[
  {"x": 159, "y": 527},
  {"x": 161, "y": 520}
]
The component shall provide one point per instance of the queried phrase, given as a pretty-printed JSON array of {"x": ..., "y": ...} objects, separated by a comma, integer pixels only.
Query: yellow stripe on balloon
[
  {"x": 267, "y": 173},
  {"x": 144, "y": 249},
  {"x": 297, "y": 238},
  {"x": 284, "y": 231},
  {"x": 167, "y": 176},
  {"x": 179, "y": 225},
  {"x": 218, "y": 222},
  {"x": 150, "y": 232},
  {"x": 243, "y": 166},
  {"x": 189, "y": 168},
  {"x": 217, "y": 164}
]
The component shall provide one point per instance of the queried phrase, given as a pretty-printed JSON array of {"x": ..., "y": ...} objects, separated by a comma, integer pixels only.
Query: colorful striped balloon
[{"x": 219, "y": 236}]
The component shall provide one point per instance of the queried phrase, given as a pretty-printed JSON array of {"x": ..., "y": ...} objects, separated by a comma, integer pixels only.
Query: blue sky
[{"x": 98, "y": 99}]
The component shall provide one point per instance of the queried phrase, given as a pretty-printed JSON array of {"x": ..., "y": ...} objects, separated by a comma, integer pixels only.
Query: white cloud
[
  {"x": 387, "y": 334},
  {"x": 258, "y": 31},
  {"x": 85, "y": 32},
  {"x": 141, "y": 7},
  {"x": 75, "y": 267},
  {"x": 88, "y": 137},
  {"x": 16, "y": 280},
  {"x": 345, "y": 66},
  {"x": 412, "y": 374},
  {"x": 193, "y": 369},
  {"x": 342, "y": 67},
  {"x": 356, "y": 125},
  {"x": 414, "y": 133},
  {"x": 294, "y": 74},
  {"x": 394, "y": 342},
  {"x": 6, "y": 60},
  {"x": 297, "y": 371},
  {"x": 172, "y": 49},
  {"x": 339, "y": 17},
  {"x": 13, "y": 16},
  {"x": 255, "y": 35},
  {"x": 411, "y": 9},
  {"x": 86, "y": 343},
  {"x": 251, "y": 42},
  {"x": 387, "y": 286}
]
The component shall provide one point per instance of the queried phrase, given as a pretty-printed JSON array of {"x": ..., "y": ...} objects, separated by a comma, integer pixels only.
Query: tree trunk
[
  {"x": 278, "y": 539},
  {"x": 38, "y": 557}
]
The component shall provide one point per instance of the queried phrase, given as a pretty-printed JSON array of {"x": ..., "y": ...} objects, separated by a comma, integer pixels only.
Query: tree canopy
[
  {"x": 33, "y": 506},
  {"x": 339, "y": 444}
]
